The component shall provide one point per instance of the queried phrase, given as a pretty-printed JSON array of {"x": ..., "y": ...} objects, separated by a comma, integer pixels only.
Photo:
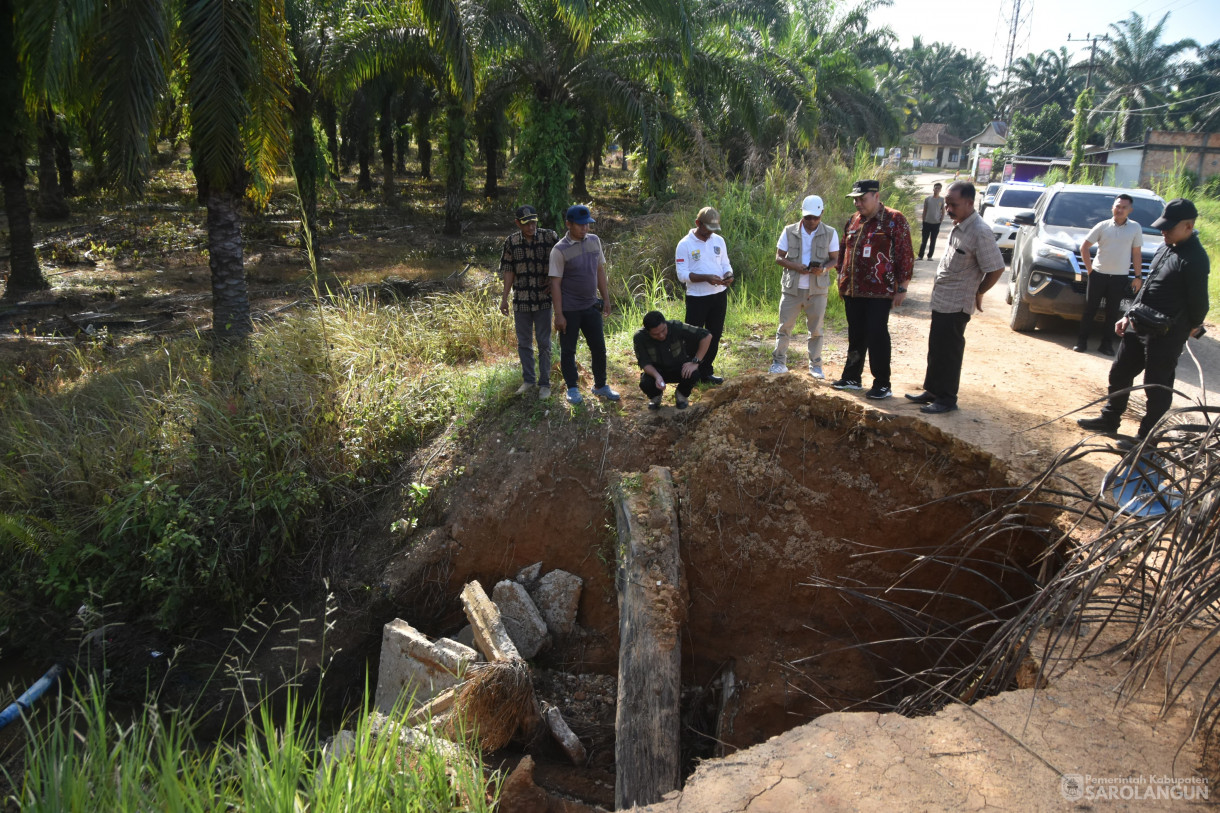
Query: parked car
[
  {"x": 1009, "y": 199},
  {"x": 988, "y": 196},
  {"x": 1047, "y": 274}
]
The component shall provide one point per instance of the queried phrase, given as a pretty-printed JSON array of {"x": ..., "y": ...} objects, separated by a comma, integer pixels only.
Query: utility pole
[
  {"x": 1010, "y": 49},
  {"x": 1088, "y": 82}
]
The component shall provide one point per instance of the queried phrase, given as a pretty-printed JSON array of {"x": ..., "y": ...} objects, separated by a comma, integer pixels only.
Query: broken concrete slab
[
  {"x": 558, "y": 597},
  {"x": 521, "y": 618},
  {"x": 489, "y": 633},
  {"x": 564, "y": 735},
  {"x": 465, "y": 636},
  {"x": 412, "y": 666},
  {"x": 529, "y": 576}
]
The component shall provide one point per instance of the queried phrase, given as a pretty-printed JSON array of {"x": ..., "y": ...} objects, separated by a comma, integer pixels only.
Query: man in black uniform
[
  {"x": 1177, "y": 289},
  {"x": 669, "y": 351}
]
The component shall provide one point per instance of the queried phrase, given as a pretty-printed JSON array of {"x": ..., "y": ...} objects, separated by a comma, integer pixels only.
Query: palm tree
[
  {"x": 1200, "y": 90},
  {"x": 1036, "y": 80},
  {"x": 1135, "y": 65}
]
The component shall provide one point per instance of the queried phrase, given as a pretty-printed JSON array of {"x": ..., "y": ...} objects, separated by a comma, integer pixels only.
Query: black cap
[
  {"x": 863, "y": 188},
  {"x": 579, "y": 215},
  {"x": 526, "y": 214},
  {"x": 1176, "y": 211}
]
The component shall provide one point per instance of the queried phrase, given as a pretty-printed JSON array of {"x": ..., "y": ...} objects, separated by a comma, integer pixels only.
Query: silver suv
[{"x": 1047, "y": 275}]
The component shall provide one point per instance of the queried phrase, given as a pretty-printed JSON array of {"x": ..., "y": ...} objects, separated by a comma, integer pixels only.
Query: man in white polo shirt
[
  {"x": 1118, "y": 242},
  {"x": 702, "y": 261},
  {"x": 808, "y": 250}
]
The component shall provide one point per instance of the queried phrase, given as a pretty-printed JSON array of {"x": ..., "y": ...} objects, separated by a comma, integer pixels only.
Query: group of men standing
[{"x": 565, "y": 279}]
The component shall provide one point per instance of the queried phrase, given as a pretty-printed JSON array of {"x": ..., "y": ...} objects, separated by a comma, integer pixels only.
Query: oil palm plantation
[{"x": 1135, "y": 65}]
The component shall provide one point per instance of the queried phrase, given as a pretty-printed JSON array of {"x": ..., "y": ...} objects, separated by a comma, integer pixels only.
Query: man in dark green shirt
[{"x": 669, "y": 351}]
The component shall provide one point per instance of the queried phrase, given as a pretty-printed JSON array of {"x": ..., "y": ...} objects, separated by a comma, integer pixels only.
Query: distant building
[
  {"x": 933, "y": 146},
  {"x": 994, "y": 135},
  {"x": 1165, "y": 149},
  {"x": 1123, "y": 161}
]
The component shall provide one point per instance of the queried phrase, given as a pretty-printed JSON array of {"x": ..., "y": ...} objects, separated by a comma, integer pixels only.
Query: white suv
[{"x": 1010, "y": 198}]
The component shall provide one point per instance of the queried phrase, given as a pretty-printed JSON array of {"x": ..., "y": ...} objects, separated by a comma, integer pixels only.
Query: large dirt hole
[{"x": 780, "y": 484}]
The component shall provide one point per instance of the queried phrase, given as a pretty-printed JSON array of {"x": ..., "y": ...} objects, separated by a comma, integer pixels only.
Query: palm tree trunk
[
  {"x": 423, "y": 138},
  {"x": 63, "y": 160},
  {"x": 231, "y": 322},
  {"x": 362, "y": 119},
  {"x": 305, "y": 155},
  {"x": 330, "y": 125},
  {"x": 51, "y": 202},
  {"x": 456, "y": 157},
  {"x": 385, "y": 139},
  {"x": 402, "y": 134},
  {"x": 580, "y": 191},
  {"x": 24, "y": 274}
]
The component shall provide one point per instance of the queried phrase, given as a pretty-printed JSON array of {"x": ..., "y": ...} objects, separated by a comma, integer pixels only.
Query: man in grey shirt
[
  {"x": 933, "y": 216},
  {"x": 1118, "y": 242},
  {"x": 970, "y": 266}
]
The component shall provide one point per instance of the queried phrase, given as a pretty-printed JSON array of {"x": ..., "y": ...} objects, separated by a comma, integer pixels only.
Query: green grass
[{"x": 1208, "y": 225}]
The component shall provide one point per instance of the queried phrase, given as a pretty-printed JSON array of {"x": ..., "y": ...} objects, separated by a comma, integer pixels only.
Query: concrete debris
[
  {"x": 563, "y": 735},
  {"x": 558, "y": 597},
  {"x": 465, "y": 636},
  {"x": 528, "y": 576},
  {"x": 521, "y": 618},
  {"x": 414, "y": 667}
]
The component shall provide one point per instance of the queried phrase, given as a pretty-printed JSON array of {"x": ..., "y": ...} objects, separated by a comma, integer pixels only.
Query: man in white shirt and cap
[
  {"x": 702, "y": 262},
  {"x": 808, "y": 250}
]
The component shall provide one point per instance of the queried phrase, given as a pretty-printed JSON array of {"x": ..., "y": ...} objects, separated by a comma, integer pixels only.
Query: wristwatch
[{"x": 697, "y": 360}]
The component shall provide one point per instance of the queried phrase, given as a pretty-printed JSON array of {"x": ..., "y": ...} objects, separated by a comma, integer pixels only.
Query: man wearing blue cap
[
  {"x": 1168, "y": 309},
  {"x": 580, "y": 297}
]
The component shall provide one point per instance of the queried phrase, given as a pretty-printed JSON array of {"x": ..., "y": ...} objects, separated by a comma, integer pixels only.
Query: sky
[{"x": 981, "y": 25}]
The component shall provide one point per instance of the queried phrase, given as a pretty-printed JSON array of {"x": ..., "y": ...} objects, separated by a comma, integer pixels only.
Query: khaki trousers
[{"x": 813, "y": 303}]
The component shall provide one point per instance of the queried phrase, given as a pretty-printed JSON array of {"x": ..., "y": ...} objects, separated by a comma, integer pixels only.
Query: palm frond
[
  {"x": 265, "y": 130},
  {"x": 220, "y": 64}
]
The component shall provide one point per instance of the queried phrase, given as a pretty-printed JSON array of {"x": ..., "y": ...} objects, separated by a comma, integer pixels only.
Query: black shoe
[
  {"x": 1099, "y": 424},
  {"x": 847, "y": 384},
  {"x": 713, "y": 379},
  {"x": 878, "y": 393},
  {"x": 937, "y": 408},
  {"x": 1106, "y": 350},
  {"x": 923, "y": 397},
  {"x": 1081, "y": 347}
]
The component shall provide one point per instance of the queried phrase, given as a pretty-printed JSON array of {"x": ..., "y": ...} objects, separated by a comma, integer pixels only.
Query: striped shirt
[{"x": 972, "y": 254}]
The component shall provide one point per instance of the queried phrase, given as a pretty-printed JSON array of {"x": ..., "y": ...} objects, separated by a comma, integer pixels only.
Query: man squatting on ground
[
  {"x": 970, "y": 266},
  {"x": 807, "y": 250},
  {"x": 670, "y": 351},
  {"x": 1177, "y": 288},
  {"x": 580, "y": 298},
  {"x": 525, "y": 263},
  {"x": 1118, "y": 242},
  {"x": 933, "y": 215},
  {"x": 874, "y": 272},
  {"x": 702, "y": 261}
]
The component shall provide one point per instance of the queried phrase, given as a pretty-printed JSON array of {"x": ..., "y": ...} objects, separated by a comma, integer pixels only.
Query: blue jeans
[
  {"x": 533, "y": 325},
  {"x": 588, "y": 322}
]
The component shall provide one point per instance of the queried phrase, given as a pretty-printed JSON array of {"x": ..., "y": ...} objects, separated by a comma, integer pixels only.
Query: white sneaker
[
  {"x": 544, "y": 393},
  {"x": 524, "y": 388},
  {"x": 816, "y": 371},
  {"x": 777, "y": 368}
]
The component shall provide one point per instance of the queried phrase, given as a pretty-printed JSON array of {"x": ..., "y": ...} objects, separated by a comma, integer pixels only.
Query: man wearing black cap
[
  {"x": 874, "y": 270},
  {"x": 702, "y": 263},
  {"x": 1166, "y": 311},
  {"x": 580, "y": 297},
  {"x": 525, "y": 263}
]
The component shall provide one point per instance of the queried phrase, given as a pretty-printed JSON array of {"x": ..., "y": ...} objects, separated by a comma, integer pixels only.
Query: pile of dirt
[{"x": 779, "y": 482}]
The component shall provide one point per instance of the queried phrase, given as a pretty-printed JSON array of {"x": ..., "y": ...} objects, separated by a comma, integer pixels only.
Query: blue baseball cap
[{"x": 579, "y": 215}]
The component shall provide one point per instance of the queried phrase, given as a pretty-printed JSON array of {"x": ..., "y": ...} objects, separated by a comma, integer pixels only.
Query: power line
[{"x": 1159, "y": 106}]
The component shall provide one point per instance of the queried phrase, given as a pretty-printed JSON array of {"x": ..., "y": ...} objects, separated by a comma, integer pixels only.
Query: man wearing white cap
[
  {"x": 702, "y": 261},
  {"x": 807, "y": 251}
]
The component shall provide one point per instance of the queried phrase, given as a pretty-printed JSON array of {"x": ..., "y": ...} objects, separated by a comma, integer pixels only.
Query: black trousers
[
  {"x": 708, "y": 312},
  {"x": 589, "y": 323},
  {"x": 930, "y": 230},
  {"x": 1112, "y": 288},
  {"x": 946, "y": 347},
  {"x": 1157, "y": 357},
  {"x": 868, "y": 331},
  {"x": 672, "y": 376}
]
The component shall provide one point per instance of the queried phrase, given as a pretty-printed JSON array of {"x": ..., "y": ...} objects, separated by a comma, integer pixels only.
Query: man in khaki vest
[{"x": 807, "y": 251}]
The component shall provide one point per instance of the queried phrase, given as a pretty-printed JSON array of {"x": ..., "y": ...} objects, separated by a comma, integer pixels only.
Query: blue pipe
[{"x": 30, "y": 697}]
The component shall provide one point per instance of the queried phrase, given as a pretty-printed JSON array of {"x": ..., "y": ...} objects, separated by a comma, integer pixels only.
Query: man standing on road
[
  {"x": 1118, "y": 242},
  {"x": 873, "y": 275},
  {"x": 702, "y": 260},
  {"x": 524, "y": 263},
  {"x": 1175, "y": 294},
  {"x": 971, "y": 265},
  {"x": 580, "y": 297},
  {"x": 933, "y": 215},
  {"x": 670, "y": 351},
  {"x": 808, "y": 251}
]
